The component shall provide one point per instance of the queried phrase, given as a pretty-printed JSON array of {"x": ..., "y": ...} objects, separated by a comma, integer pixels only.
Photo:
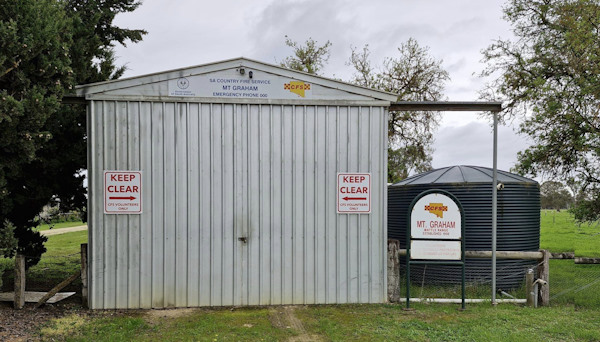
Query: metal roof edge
[
  {"x": 413, "y": 180},
  {"x": 82, "y": 90}
]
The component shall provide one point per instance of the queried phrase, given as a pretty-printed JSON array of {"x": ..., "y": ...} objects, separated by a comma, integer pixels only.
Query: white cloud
[
  {"x": 189, "y": 32},
  {"x": 472, "y": 144}
]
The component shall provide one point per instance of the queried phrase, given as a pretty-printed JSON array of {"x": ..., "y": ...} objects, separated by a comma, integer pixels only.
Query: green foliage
[
  {"x": 47, "y": 47},
  {"x": 35, "y": 71},
  {"x": 415, "y": 76},
  {"x": 550, "y": 78},
  {"x": 8, "y": 244},
  {"x": 309, "y": 58},
  {"x": 554, "y": 195},
  {"x": 406, "y": 159}
]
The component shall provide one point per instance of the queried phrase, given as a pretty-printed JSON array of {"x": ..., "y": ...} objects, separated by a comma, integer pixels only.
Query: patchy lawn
[{"x": 429, "y": 322}]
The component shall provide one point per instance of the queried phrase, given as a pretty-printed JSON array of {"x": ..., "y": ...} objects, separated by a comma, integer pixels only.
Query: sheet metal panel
[{"x": 239, "y": 205}]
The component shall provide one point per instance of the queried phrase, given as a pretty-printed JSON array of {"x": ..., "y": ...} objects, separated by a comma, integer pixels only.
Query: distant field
[{"x": 560, "y": 233}]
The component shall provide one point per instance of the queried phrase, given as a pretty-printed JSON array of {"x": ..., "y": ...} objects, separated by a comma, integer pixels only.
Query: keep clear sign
[
  {"x": 122, "y": 192},
  {"x": 354, "y": 193},
  {"x": 435, "y": 219}
]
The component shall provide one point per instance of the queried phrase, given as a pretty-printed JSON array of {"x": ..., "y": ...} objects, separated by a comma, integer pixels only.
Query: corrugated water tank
[{"x": 518, "y": 220}]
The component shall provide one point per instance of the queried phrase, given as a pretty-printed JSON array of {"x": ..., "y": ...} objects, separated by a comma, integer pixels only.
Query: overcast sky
[{"x": 190, "y": 32}]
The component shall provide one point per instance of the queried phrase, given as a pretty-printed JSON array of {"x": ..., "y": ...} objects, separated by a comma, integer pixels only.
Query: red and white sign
[
  {"x": 435, "y": 216},
  {"x": 354, "y": 193},
  {"x": 122, "y": 192},
  {"x": 435, "y": 250}
]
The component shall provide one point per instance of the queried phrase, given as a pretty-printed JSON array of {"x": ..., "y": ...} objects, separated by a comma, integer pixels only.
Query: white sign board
[
  {"x": 435, "y": 216},
  {"x": 233, "y": 84},
  {"x": 354, "y": 193},
  {"x": 122, "y": 192},
  {"x": 435, "y": 250}
]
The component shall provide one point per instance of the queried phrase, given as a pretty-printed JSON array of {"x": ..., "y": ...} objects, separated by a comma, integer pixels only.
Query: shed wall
[{"x": 212, "y": 173}]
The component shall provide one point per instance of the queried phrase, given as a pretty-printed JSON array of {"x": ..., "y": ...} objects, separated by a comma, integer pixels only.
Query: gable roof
[{"x": 202, "y": 81}]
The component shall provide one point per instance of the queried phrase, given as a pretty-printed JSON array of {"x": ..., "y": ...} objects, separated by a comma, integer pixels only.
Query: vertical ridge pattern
[{"x": 214, "y": 174}]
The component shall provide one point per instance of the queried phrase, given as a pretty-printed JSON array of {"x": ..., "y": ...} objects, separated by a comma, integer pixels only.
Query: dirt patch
[
  {"x": 63, "y": 230},
  {"x": 156, "y": 315},
  {"x": 284, "y": 317},
  {"x": 23, "y": 325}
]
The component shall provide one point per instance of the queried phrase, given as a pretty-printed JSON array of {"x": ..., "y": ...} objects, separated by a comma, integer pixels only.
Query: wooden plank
[
  {"x": 393, "y": 271},
  {"x": 565, "y": 255},
  {"x": 544, "y": 274},
  {"x": 529, "y": 287},
  {"x": 582, "y": 260},
  {"x": 512, "y": 255},
  {"x": 84, "y": 278},
  {"x": 19, "y": 294},
  {"x": 35, "y": 296},
  {"x": 57, "y": 288}
]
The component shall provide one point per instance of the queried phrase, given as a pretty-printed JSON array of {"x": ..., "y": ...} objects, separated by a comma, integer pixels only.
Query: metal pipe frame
[{"x": 446, "y": 106}]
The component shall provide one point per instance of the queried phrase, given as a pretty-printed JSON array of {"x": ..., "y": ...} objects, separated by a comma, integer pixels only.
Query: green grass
[
  {"x": 446, "y": 323},
  {"x": 572, "y": 316},
  {"x": 59, "y": 225},
  {"x": 61, "y": 260},
  {"x": 574, "y": 284},
  {"x": 560, "y": 233},
  {"x": 246, "y": 324},
  {"x": 337, "y": 323}
]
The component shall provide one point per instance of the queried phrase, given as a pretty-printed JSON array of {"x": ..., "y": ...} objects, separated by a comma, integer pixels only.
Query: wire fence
[
  {"x": 570, "y": 283},
  {"x": 50, "y": 271},
  {"x": 574, "y": 283},
  {"x": 429, "y": 281}
]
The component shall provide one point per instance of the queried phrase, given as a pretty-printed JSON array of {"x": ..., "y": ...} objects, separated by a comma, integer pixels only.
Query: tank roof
[{"x": 463, "y": 174}]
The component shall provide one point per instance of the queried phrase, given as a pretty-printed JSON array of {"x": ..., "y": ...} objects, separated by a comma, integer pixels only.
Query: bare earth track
[{"x": 63, "y": 230}]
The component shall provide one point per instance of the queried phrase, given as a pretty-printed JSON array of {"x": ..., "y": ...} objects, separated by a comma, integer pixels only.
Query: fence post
[
  {"x": 529, "y": 287},
  {"x": 84, "y": 279},
  {"x": 393, "y": 271},
  {"x": 544, "y": 274},
  {"x": 19, "y": 300}
]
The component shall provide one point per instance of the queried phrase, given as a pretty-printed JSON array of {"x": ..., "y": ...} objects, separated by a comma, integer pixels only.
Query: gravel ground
[{"x": 22, "y": 325}]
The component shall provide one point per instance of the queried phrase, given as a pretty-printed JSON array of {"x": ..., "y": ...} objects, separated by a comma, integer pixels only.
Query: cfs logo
[
  {"x": 436, "y": 209},
  {"x": 297, "y": 87}
]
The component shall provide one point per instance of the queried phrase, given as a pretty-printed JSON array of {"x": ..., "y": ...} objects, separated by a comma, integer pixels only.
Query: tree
[
  {"x": 44, "y": 150},
  {"x": 415, "y": 76},
  {"x": 8, "y": 244},
  {"x": 549, "y": 77},
  {"x": 554, "y": 195},
  {"x": 310, "y": 58},
  {"x": 34, "y": 72}
]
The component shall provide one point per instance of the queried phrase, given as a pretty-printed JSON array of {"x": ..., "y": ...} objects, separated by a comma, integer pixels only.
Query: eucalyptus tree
[{"x": 549, "y": 78}]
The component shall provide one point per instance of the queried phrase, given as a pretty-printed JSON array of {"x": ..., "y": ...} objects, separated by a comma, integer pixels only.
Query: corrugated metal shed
[{"x": 239, "y": 188}]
